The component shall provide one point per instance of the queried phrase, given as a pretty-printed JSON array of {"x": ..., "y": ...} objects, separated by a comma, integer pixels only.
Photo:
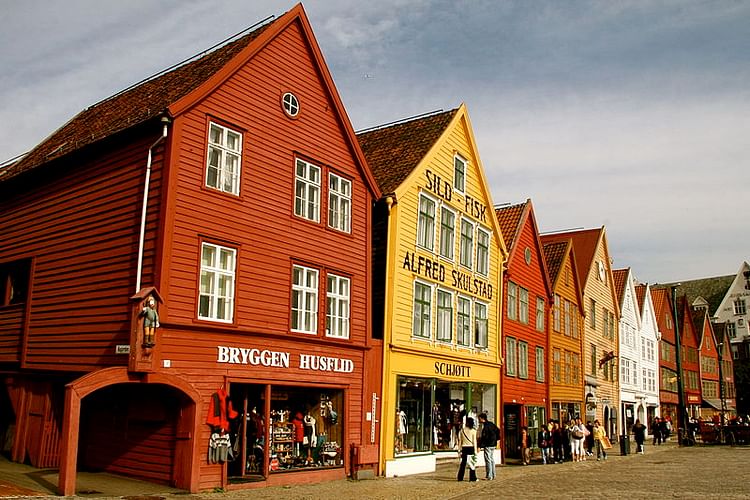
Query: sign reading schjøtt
[{"x": 280, "y": 359}]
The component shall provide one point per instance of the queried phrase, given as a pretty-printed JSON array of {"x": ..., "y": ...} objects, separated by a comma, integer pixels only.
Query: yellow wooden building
[
  {"x": 565, "y": 329},
  {"x": 438, "y": 259}
]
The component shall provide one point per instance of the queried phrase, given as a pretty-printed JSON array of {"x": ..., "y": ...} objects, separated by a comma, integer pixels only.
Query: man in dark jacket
[{"x": 488, "y": 441}]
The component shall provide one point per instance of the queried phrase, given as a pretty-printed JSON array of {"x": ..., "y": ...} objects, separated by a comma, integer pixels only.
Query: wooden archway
[{"x": 187, "y": 478}]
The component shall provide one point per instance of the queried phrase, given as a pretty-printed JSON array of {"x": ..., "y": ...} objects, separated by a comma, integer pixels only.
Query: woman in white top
[
  {"x": 577, "y": 434},
  {"x": 467, "y": 440}
]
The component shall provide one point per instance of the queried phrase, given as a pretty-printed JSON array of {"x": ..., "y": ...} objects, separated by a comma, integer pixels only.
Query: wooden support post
[{"x": 66, "y": 485}]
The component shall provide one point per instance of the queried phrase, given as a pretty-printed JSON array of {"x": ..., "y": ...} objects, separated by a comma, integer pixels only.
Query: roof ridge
[{"x": 404, "y": 121}]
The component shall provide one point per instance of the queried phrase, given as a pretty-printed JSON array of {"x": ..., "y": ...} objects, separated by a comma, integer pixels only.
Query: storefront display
[
  {"x": 304, "y": 428},
  {"x": 430, "y": 412}
]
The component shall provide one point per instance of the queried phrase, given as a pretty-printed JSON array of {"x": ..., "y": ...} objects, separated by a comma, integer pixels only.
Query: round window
[
  {"x": 527, "y": 255},
  {"x": 290, "y": 103}
]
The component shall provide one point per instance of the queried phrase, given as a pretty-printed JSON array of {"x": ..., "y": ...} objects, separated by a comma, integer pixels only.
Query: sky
[{"x": 634, "y": 115}]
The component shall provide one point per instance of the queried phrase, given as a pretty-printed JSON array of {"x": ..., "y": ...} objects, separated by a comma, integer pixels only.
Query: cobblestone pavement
[{"x": 663, "y": 472}]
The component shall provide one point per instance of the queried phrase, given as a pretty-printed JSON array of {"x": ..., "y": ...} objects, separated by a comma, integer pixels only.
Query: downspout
[{"x": 147, "y": 182}]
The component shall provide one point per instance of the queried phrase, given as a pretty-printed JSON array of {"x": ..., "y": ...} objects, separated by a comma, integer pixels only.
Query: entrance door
[{"x": 512, "y": 432}]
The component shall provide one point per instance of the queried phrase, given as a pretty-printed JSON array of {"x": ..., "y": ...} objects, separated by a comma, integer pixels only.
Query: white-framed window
[
  {"x": 625, "y": 370},
  {"x": 307, "y": 191},
  {"x": 216, "y": 297},
  {"x": 459, "y": 174},
  {"x": 523, "y": 359},
  {"x": 338, "y": 299},
  {"x": 444, "y": 315},
  {"x": 592, "y": 313},
  {"x": 422, "y": 325},
  {"x": 512, "y": 300},
  {"x": 732, "y": 330},
  {"x": 290, "y": 104},
  {"x": 466, "y": 258},
  {"x": 556, "y": 313},
  {"x": 539, "y": 360},
  {"x": 447, "y": 232},
  {"x": 463, "y": 322},
  {"x": 339, "y": 203},
  {"x": 224, "y": 159},
  {"x": 510, "y": 356},
  {"x": 483, "y": 252},
  {"x": 644, "y": 380},
  {"x": 539, "y": 314},
  {"x": 650, "y": 350},
  {"x": 426, "y": 222},
  {"x": 304, "y": 299},
  {"x": 480, "y": 325},
  {"x": 740, "y": 308},
  {"x": 523, "y": 305},
  {"x": 643, "y": 348},
  {"x": 568, "y": 319},
  {"x": 557, "y": 365}
]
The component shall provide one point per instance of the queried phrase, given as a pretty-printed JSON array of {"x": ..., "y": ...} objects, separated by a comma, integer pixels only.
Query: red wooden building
[
  {"x": 526, "y": 298},
  {"x": 668, "y": 398},
  {"x": 233, "y": 193},
  {"x": 689, "y": 359}
]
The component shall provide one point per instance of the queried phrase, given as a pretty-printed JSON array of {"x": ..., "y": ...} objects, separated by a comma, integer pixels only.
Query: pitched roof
[
  {"x": 394, "y": 151},
  {"x": 662, "y": 308},
  {"x": 640, "y": 295},
  {"x": 554, "y": 253},
  {"x": 130, "y": 107},
  {"x": 712, "y": 290},
  {"x": 509, "y": 219},
  {"x": 584, "y": 243},
  {"x": 619, "y": 277}
]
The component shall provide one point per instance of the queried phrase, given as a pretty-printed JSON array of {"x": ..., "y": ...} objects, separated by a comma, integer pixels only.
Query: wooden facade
[
  {"x": 690, "y": 361},
  {"x": 70, "y": 215},
  {"x": 526, "y": 301},
  {"x": 565, "y": 327},
  {"x": 443, "y": 257},
  {"x": 668, "y": 398}
]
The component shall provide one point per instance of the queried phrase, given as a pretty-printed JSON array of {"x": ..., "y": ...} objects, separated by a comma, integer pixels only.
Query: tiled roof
[
  {"x": 129, "y": 108},
  {"x": 640, "y": 295},
  {"x": 394, "y": 151},
  {"x": 554, "y": 254},
  {"x": 698, "y": 318},
  {"x": 712, "y": 290},
  {"x": 509, "y": 218},
  {"x": 584, "y": 244},
  {"x": 619, "y": 276},
  {"x": 661, "y": 299}
]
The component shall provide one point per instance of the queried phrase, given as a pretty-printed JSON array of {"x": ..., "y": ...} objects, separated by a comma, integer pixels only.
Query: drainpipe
[{"x": 165, "y": 122}]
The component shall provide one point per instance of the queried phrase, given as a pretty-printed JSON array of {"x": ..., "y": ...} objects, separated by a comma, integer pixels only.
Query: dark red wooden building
[
  {"x": 232, "y": 192},
  {"x": 527, "y": 294},
  {"x": 668, "y": 398}
]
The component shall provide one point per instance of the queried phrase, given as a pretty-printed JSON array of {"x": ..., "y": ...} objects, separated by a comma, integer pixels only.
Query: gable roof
[
  {"x": 177, "y": 90},
  {"x": 554, "y": 253},
  {"x": 640, "y": 295},
  {"x": 585, "y": 243},
  {"x": 712, "y": 290},
  {"x": 394, "y": 151},
  {"x": 509, "y": 219},
  {"x": 620, "y": 277}
]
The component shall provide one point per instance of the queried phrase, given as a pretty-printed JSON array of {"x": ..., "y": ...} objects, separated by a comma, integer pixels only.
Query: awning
[{"x": 716, "y": 404}]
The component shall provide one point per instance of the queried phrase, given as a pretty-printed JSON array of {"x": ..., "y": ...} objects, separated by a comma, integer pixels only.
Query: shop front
[
  {"x": 564, "y": 411},
  {"x": 429, "y": 405}
]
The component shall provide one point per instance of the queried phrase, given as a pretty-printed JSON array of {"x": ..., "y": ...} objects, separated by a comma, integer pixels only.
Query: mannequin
[
  {"x": 311, "y": 439},
  {"x": 299, "y": 433},
  {"x": 401, "y": 428}
]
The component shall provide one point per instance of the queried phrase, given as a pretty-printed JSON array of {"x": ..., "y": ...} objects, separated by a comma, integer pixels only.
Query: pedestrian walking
[
  {"x": 525, "y": 446},
  {"x": 656, "y": 431},
  {"x": 545, "y": 444},
  {"x": 589, "y": 439},
  {"x": 639, "y": 432},
  {"x": 488, "y": 441},
  {"x": 468, "y": 446},
  {"x": 557, "y": 442},
  {"x": 599, "y": 435}
]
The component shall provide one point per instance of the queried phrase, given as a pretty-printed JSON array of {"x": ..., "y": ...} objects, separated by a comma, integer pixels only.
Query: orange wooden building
[
  {"x": 689, "y": 344},
  {"x": 231, "y": 191},
  {"x": 668, "y": 394},
  {"x": 526, "y": 301}
]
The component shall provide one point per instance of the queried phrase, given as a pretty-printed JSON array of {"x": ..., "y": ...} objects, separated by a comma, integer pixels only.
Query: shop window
[
  {"x": 413, "y": 418},
  {"x": 305, "y": 427},
  {"x": 14, "y": 282},
  {"x": 339, "y": 203},
  {"x": 216, "y": 298},
  {"x": 224, "y": 159},
  {"x": 307, "y": 190}
]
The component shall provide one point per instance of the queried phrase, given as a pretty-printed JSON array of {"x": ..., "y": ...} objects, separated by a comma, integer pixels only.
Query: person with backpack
[{"x": 488, "y": 441}]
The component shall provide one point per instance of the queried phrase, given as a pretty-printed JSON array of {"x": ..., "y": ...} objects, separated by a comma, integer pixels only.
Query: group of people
[
  {"x": 470, "y": 445},
  {"x": 574, "y": 441},
  {"x": 661, "y": 428}
]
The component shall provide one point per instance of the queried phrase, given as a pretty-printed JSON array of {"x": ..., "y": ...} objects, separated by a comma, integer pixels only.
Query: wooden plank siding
[
  {"x": 82, "y": 226},
  {"x": 11, "y": 330},
  {"x": 260, "y": 222},
  {"x": 532, "y": 277}
]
